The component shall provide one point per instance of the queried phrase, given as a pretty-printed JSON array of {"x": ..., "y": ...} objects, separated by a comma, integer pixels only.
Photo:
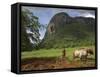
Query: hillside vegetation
[{"x": 65, "y": 31}]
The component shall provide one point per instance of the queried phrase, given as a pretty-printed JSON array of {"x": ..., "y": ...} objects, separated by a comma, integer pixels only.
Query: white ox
[{"x": 82, "y": 53}]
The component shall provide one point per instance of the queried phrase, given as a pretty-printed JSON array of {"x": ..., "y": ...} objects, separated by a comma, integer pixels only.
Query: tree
[{"x": 29, "y": 30}]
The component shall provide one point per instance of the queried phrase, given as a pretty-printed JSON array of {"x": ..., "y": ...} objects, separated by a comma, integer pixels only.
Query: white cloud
[{"x": 89, "y": 15}]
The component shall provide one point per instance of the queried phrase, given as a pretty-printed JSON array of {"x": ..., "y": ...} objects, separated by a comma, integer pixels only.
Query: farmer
[{"x": 64, "y": 53}]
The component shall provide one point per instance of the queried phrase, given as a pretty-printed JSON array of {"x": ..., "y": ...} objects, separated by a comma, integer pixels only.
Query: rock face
[{"x": 65, "y": 31}]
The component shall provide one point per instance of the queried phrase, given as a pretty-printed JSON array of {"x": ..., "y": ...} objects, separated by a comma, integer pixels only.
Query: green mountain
[{"x": 66, "y": 31}]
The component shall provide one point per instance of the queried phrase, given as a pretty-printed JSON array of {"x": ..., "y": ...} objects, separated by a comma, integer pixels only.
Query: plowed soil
[{"x": 53, "y": 63}]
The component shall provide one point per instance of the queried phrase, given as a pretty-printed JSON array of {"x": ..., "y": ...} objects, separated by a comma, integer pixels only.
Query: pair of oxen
[{"x": 83, "y": 53}]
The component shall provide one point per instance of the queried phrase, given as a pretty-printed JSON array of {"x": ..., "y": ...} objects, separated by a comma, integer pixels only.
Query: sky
[{"x": 45, "y": 14}]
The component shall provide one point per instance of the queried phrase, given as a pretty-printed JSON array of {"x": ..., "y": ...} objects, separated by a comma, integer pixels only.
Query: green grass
[
  {"x": 48, "y": 53},
  {"x": 42, "y": 53}
]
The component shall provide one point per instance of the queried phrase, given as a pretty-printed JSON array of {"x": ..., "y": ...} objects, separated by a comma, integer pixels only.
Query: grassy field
[
  {"x": 52, "y": 59},
  {"x": 49, "y": 53}
]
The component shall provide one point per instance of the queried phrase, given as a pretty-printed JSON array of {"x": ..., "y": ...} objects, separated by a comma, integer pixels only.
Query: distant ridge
[{"x": 66, "y": 31}]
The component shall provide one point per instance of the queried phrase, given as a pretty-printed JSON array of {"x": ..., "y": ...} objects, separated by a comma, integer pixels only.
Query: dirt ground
[{"x": 53, "y": 63}]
